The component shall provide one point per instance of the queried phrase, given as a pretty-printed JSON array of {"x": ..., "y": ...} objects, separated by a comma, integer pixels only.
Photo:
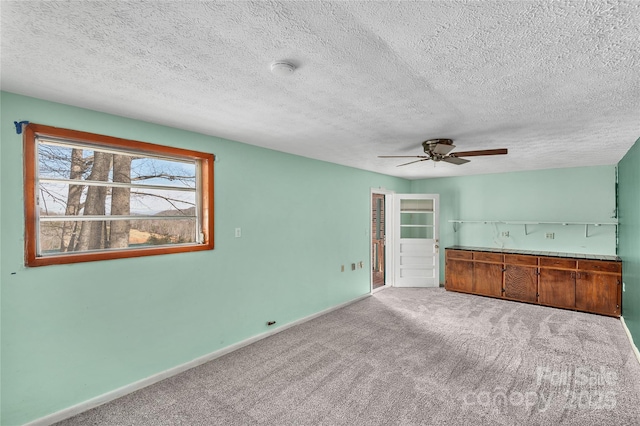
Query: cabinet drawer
[
  {"x": 600, "y": 266},
  {"x": 518, "y": 259},
  {"x": 556, "y": 262},
  {"x": 487, "y": 257},
  {"x": 459, "y": 254}
]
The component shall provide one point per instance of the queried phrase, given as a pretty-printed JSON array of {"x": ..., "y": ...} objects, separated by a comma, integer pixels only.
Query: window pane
[
  {"x": 88, "y": 163},
  {"x": 58, "y": 199},
  {"x": 81, "y": 180},
  {"x": 162, "y": 202},
  {"x": 161, "y": 232},
  {"x": 416, "y": 232},
  {"x": 416, "y": 205},
  {"x": 153, "y": 171},
  {"x": 416, "y": 218},
  {"x": 78, "y": 236}
]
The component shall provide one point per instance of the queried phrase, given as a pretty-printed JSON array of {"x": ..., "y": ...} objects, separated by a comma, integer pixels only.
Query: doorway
[
  {"x": 416, "y": 240},
  {"x": 381, "y": 247},
  {"x": 378, "y": 241}
]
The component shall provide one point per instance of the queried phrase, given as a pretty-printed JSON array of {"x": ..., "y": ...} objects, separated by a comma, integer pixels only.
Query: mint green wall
[
  {"x": 629, "y": 249},
  {"x": 72, "y": 332},
  {"x": 580, "y": 194}
]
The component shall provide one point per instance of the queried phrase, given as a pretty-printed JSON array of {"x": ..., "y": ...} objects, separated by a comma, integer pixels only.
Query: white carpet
[{"x": 408, "y": 356}]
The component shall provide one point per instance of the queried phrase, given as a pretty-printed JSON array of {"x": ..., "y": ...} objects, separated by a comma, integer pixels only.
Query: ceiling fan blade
[
  {"x": 411, "y": 162},
  {"x": 403, "y": 156},
  {"x": 455, "y": 160},
  {"x": 443, "y": 149},
  {"x": 500, "y": 151}
]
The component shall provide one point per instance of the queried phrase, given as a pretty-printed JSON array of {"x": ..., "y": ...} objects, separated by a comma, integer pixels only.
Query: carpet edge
[{"x": 633, "y": 345}]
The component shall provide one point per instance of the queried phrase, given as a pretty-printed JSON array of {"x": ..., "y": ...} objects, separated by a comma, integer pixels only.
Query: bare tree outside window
[{"x": 94, "y": 197}]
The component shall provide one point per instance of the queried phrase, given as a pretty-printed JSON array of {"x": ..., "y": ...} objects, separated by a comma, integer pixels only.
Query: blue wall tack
[{"x": 18, "y": 125}]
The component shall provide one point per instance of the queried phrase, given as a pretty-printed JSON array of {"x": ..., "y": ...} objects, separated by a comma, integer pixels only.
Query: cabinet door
[
  {"x": 557, "y": 288},
  {"x": 521, "y": 283},
  {"x": 598, "y": 293},
  {"x": 459, "y": 275},
  {"x": 487, "y": 279}
]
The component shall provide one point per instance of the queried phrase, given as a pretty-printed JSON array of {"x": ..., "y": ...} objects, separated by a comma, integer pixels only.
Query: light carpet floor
[{"x": 407, "y": 357}]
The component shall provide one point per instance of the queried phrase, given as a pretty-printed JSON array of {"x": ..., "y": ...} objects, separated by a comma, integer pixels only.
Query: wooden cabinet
[
  {"x": 521, "y": 283},
  {"x": 557, "y": 282},
  {"x": 581, "y": 284},
  {"x": 598, "y": 287},
  {"x": 487, "y": 279},
  {"x": 461, "y": 275},
  {"x": 521, "y": 277},
  {"x": 461, "y": 266},
  {"x": 557, "y": 288},
  {"x": 478, "y": 273}
]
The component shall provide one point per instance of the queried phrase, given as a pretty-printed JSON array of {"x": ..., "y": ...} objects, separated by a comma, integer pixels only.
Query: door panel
[
  {"x": 597, "y": 293},
  {"x": 557, "y": 288},
  {"x": 487, "y": 279},
  {"x": 459, "y": 275},
  {"x": 416, "y": 243},
  {"x": 521, "y": 283}
]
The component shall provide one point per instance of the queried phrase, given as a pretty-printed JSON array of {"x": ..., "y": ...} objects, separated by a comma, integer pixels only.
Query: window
[{"x": 92, "y": 197}]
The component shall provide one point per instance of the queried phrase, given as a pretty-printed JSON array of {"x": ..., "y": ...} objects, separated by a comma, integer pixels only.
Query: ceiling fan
[{"x": 438, "y": 150}]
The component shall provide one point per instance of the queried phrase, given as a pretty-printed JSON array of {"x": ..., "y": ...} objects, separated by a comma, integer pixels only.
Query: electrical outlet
[
  {"x": 624, "y": 287},
  {"x": 505, "y": 233},
  {"x": 353, "y": 266},
  {"x": 549, "y": 235},
  {"x": 342, "y": 268},
  {"x": 238, "y": 232}
]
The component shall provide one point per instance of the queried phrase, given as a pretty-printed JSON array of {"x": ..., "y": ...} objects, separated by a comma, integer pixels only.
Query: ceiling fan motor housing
[{"x": 438, "y": 148}]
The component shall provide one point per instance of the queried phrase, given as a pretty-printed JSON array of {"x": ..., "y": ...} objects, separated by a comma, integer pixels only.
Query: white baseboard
[
  {"x": 132, "y": 387},
  {"x": 633, "y": 345}
]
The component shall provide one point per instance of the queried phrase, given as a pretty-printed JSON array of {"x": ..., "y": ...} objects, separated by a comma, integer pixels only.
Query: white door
[{"x": 416, "y": 240}]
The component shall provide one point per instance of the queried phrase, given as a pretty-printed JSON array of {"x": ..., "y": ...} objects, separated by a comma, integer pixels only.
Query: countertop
[{"x": 539, "y": 253}]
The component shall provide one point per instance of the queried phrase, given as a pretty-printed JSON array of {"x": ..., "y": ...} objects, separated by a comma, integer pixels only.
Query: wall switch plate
[
  {"x": 360, "y": 264},
  {"x": 623, "y": 287},
  {"x": 353, "y": 266},
  {"x": 238, "y": 232},
  {"x": 549, "y": 235},
  {"x": 505, "y": 233}
]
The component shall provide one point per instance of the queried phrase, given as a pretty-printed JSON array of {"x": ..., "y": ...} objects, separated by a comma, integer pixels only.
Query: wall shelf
[{"x": 456, "y": 224}]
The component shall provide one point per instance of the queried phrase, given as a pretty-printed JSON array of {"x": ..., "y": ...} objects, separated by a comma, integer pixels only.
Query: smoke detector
[{"x": 282, "y": 68}]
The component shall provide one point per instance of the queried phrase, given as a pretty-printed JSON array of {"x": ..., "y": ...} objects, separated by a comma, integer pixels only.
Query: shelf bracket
[
  {"x": 455, "y": 226},
  {"x": 525, "y": 229},
  {"x": 586, "y": 228}
]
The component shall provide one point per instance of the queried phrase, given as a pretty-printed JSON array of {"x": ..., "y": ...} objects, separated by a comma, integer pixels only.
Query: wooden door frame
[{"x": 389, "y": 235}]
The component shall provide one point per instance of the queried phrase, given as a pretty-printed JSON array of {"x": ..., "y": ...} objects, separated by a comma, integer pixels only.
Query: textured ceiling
[{"x": 557, "y": 83}]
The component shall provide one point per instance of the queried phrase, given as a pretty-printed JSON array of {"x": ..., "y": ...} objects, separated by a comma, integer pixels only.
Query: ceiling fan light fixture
[
  {"x": 443, "y": 149},
  {"x": 282, "y": 68},
  {"x": 438, "y": 146}
]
